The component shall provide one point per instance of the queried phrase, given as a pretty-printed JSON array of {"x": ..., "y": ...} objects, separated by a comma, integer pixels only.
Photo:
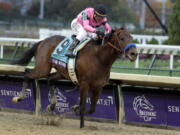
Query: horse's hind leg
[
  {"x": 31, "y": 74},
  {"x": 52, "y": 89},
  {"x": 23, "y": 92}
]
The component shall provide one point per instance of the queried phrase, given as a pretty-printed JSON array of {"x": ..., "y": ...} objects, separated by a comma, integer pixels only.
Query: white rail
[
  {"x": 144, "y": 38},
  {"x": 158, "y": 49},
  {"x": 4, "y": 41}
]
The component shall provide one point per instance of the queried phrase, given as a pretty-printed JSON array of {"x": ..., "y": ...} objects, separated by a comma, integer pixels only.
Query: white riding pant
[{"x": 80, "y": 32}]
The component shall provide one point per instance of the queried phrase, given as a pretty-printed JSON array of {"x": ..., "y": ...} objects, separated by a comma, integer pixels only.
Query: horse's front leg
[
  {"x": 83, "y": 88},
  {"x": 22, "y": 94},
  {"x": 94, "y": 98}
]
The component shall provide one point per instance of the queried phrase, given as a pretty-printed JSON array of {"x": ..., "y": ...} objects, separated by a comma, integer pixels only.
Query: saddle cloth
[{"x": 58, "y": 56}]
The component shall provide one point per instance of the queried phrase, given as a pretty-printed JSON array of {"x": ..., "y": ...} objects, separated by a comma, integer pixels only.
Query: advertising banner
[
  {"x": 173, "y": 109},
  {"x": 143, "y": 106},
  {"x": 10, "y": 88},
  {"x": 106, "y": 106}
]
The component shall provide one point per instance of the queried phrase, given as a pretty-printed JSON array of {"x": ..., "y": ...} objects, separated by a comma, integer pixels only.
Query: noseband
[{"x": 120, "y": 49}]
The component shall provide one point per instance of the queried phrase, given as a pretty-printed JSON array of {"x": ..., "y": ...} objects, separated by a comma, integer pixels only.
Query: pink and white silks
[{"x": 84, "y": 25}]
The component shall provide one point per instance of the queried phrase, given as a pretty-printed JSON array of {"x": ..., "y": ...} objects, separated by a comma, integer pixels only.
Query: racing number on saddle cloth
[
  {"x": 64, "y": 45},
  {"x": 58, "y": 55}
]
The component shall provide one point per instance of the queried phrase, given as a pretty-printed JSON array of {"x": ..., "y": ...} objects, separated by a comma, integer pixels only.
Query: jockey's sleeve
[
  {"x": 85, "y": 21},
  {"x": 107, "y": 27},
  {"x": 87, "y": 27}
]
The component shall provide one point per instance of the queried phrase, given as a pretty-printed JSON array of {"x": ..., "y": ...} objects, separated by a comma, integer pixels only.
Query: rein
[
  {"x": 119, "y": 49},
  {"x": 115, "y": 47}
]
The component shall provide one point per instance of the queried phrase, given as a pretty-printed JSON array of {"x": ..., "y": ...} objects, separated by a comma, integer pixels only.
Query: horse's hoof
[
  {"x": 50, "y": 108},
  {"x": 75, "y": 108},
  {"x": 16, "y": 99},
  {"x": 82, "y": 125}
]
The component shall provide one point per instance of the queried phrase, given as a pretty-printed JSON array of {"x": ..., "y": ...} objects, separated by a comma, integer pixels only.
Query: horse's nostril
[{"x": 133, "y": 54}]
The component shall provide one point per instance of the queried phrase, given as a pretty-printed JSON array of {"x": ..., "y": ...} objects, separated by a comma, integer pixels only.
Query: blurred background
[{"x": 23, "y": 18}]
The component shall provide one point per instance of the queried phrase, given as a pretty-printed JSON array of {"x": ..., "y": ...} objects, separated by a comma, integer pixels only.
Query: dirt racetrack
[{"x": 27, "y": 124}]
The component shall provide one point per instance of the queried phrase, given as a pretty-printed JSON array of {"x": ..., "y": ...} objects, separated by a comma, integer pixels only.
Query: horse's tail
[{"x": 26, "y": 57}]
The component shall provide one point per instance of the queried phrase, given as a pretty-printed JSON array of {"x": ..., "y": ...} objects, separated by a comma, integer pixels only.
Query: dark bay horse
[{"x": 93, "y": 66}]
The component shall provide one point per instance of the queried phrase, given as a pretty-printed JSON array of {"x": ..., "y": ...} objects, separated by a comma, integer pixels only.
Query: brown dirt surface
[{"x": 28, "y": 124}]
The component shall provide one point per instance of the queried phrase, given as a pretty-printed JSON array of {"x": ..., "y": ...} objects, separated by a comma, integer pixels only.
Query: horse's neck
[{"x": 107, "y": 55}]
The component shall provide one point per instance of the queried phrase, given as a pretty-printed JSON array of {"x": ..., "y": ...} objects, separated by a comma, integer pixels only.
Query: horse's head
[
  {"x": 121, "y": 41},
  {"x": 145, "y": 104}
]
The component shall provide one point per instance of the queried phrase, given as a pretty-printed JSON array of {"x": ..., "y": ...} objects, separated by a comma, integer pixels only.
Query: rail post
[
  {"x": 37, "y": 98},
  {"x": 121, "y": 104}
]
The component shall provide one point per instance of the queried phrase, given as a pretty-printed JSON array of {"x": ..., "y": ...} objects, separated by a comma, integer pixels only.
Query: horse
[{"x": 93, "y": 65}]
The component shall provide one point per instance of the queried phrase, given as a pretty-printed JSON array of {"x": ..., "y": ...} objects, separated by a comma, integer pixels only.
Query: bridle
[
  {"x": 121, "y": 49},
  {"x": 114, "y": 46}
]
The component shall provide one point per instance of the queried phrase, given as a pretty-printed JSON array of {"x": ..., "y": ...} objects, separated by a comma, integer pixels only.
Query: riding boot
[{"x": 70, "y": 50}]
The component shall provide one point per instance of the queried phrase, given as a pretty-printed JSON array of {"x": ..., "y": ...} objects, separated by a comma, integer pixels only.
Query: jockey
[{"x": 85, "y": 24}]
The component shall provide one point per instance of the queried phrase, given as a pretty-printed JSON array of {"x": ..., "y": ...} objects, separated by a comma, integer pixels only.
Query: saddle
[{"x": 58, "y": 56}]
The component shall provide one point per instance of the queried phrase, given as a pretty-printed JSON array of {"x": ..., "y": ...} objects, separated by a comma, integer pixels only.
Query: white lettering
[
  {"x": 14, "y": 93},
  {"x": 100, "y": 101},
  {"x": 28, "y": 93},
  {"x": 174, "y": 108},
  {"x": 62, "y": 105},
  {"x": 111, "y": 99},
  {"x": 147, "y": 113},
  {"x": 9, "y": 93},
  {"x": 88, "y": 100},
  {"x": 105, "y": 102}
]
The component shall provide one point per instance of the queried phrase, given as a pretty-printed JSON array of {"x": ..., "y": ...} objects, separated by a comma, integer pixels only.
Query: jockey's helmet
[{"x": 100, "y": 10}]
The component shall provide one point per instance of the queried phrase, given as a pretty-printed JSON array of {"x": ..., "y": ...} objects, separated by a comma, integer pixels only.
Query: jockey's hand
[{"x": 100, "y": 34}]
